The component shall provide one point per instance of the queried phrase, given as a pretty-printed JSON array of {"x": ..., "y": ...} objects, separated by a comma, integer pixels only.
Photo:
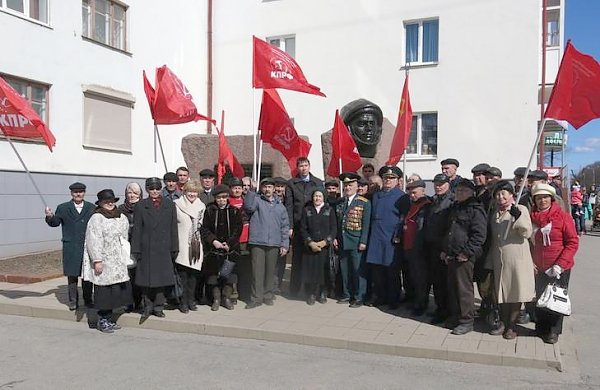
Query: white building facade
[{"x": 475, "y": 71}]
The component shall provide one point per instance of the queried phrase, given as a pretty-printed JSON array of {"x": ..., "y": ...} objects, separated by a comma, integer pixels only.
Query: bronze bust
[{"x": 364, "y": 120}]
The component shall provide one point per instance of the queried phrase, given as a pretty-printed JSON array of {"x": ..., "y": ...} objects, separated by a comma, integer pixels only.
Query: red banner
[
  {"x": 343, "y": 148},
  {"x": 19, "y": 119},
  {"x": 403, "y": 126},
  {"x": 274, "y": 68}
]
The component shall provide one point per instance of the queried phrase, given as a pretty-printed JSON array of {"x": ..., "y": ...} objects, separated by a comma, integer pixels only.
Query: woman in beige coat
[
  {"x": 190, "y": 212},
  {"x": 510, "y": 254}
]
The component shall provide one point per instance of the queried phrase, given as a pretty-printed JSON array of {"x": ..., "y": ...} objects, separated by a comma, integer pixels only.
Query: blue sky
[{"x": 582, "y": 26}]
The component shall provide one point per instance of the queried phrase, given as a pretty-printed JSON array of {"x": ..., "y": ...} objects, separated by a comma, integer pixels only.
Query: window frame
[
  {"x": 283, "y": 46},
  {"x": 420, "y": 42},
  {"x": 419, "y": 132},
  {"x": 91, "y": 23},
  {"x": 26, "y": 14}
]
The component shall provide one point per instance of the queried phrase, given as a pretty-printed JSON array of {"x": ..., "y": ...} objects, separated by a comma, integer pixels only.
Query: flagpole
[
  {"x": 260, "y": 149},
  {"x": 27, "y": 170},
  {"x": 404, "y": 170},
  {"x": 254, "y": 133},
  {"x": 155, "y": 132},
  {"x": 161, "y": 149}
]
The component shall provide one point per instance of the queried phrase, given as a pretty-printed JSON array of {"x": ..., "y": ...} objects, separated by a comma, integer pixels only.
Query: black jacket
[
  {"x": 466, "y": 229},
  {"x": 436, "y": 222},
  {"x": 318, "y": 226},
  {"x": 297, "y": 195},
  {"x": 221, "y": 225}
]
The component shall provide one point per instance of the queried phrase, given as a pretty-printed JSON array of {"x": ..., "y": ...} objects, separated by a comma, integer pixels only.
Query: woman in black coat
[
  {"x": 318, "y": 228},
  {"x": 155, "y": 245},
  {"x": 220, "y": 231}
]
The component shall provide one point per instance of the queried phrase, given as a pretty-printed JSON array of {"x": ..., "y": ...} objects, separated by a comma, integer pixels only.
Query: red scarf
[
  {"x": 410, "y": 222},
  {"x": 543, "y": 218}
]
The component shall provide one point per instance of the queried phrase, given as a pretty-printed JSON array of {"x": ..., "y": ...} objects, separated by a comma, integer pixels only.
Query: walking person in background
[
  {"x": 73, "y": 217},
  {"x": 133, "y": 194},
  {"x": 577, "y": 208},
  {"x": 104, "y": 263}
]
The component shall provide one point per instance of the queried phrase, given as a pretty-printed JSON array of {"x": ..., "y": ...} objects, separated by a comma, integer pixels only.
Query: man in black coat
[
  {"x": 155, "y": 244},
  {"x": 297, "y": 195},
  {"x": 73, "y": 217},
  {"x": 466, "y": 234}
]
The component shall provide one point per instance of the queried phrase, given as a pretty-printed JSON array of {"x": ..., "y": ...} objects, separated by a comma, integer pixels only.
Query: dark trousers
[
  {"x": 386, "y": 283},
  {"x": 547, "y": 321},
  {"x": 189, "y": 281},
  {"x": 153, "y": 298},
  {"x": 136, "y": 291},
  {"x": 460, "y": 291},
  {"x": 280, "y": 270},
  {"x": 406, "y": 278},
  {"x": 73, "y": 293},
  {"x": 264, "y": 259},
  {"x": 418, "y": 265},
  {"x": 354, "y": 281},
  {"x": 297, "y": 250},
  {"x": 438, "y": 278}
]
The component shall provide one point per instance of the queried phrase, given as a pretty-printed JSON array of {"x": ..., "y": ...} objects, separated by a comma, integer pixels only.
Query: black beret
[
  {"x": 466, "y": 183},
  {"x": 538, "y": 175},
  {"x": 235, "y": 182},
  {"x": 520, "y": 171},
  {"x": 332, "y": 183},
  {"x": 77, "y": 186},
  {"x": 220, "y": 189},
  {"x": 494, "y": 171},
  {"x": 318, "y": 189},
  {"x": 107, "y": 194},
  {"x": 348, "y": 177},
  {"x": 170, "y": 176},
  {"x": 279, "y": 180},
  {"x": 480, "y": 168},
  {"x": 207, "y": 172},
  {"x": 450, "y": 161},
  {"x": 266, "y": 181},
  {"x": 415, "y": 184},
  {"x": 153, "y": 182},
  {"x": 390, "y": 170},
  {"x": 441, "y": 178},
  {"x": 361, "y": 106},
  {"x": 504, "y": 185}
]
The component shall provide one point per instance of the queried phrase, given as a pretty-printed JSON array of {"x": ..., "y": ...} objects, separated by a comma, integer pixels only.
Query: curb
[
  {"x": 330, "y": 341},
  {"x": 27, "y": 278}
]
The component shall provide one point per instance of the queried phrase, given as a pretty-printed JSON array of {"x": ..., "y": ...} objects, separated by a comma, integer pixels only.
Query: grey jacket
[{"x": 269, "y": 223}]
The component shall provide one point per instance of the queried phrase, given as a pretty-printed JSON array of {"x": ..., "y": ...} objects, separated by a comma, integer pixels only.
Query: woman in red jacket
[{"x": 555, "y": 244}]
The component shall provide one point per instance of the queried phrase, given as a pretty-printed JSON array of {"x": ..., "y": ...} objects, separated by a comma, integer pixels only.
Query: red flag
[
  {"x": 344, "y": 148},
  {"x": 171, "y": 102},
  {"x": 226, "y": 156},
  {"x": 576, "y": 93},
  {"x": 278, "y": 130},
  {"x": 274, "y": 68},
  {"x": 18, "y": 119},
  {"x": 403, "y": 126}
]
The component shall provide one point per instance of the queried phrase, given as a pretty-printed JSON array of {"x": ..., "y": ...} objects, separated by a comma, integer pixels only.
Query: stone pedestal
[{"x": 383, "y": 149}]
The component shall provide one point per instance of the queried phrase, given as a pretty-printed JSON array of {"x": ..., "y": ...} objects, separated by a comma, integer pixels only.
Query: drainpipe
[
  {"x": 543, "y": 92},
  {"x": 209, "y": 79}
]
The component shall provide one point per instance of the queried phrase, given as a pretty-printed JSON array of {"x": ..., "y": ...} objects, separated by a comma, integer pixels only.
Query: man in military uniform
[{"x": 354, "y": 216}]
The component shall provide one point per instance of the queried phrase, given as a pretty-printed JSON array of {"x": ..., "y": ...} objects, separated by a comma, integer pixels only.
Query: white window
[
  {"x": 105, "y": 21},
  {"x": 107, "y": 119},
  {"x": 32, "y": 9},
  {"x": 423, "y": 135},
  {"x": 287, "y": 43},
  {"x": 422, "y": 39},
  {"x": 553, "y": 27}
]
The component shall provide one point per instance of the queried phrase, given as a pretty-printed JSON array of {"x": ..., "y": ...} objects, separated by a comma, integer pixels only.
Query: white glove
[{"x": 554, "y": 271}]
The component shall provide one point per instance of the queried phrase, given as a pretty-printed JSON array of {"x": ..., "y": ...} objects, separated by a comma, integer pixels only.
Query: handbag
[
  {"x": 227, "y": 267},
  {"x": 195, "y": 247},
  {"x": 556, "y": 299},
  {"x": 126, "y": 256}
]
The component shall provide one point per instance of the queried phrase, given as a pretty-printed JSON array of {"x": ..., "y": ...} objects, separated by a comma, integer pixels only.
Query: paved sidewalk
[{"x": 332, "y": 325}]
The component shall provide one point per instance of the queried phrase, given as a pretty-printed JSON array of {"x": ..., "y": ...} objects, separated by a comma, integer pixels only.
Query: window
[
  {"x": 422, "y": 41},
  {"x": 553, "y": 28},
  {"x": 33, "y": 9},
  {"x": 286, "y": 43},
  {"x": 104, "y": 21},
  {"x": 423, "y": 135},
  {"x": 36, "y": 94},
  {"x": 107, "y": 119}
]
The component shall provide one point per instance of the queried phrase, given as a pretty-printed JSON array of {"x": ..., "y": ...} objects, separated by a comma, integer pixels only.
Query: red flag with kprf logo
[
  {"x": 576, "y": 93},
  {"x": 344, "y": 151},
  {"x": 278, "y": 130},
  {"x": 274, "y": 68},
  {"x": 19, "y": 119},
  {"x": 403, "y": 126},
  {"x": 226, "y": 156},
  {"x": 170, "y": 101}
]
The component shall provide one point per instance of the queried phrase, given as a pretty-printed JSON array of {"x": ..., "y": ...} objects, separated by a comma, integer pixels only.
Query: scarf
[
  {"x": 114, "y": 213},
  {"x": 128, "y": 206},
  {"x": 542, "y": 221}
]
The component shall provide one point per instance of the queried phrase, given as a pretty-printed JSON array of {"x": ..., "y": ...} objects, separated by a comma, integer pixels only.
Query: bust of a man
[{"x": 364, "y": 120}]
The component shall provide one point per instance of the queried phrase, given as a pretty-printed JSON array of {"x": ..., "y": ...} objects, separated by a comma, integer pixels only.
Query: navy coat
[
  {"x": 385, "y": 226},
  {"x": 73, "y": 226}
]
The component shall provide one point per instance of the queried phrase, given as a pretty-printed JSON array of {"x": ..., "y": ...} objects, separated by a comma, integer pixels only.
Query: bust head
[{"x": 364, "y": 120}]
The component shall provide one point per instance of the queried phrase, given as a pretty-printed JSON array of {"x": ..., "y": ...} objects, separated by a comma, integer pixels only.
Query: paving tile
[
  {"x": 430, "y": 330},
  {"x": 303, "y": 328},
  {"x": 469, "y": 345},
  {"x": 491, "y": 347},
  {"x": 343, "y": 322},
  {"x": 370, "y": 325},
  {"x": 427, "y": 340},
  {"x": 325, "y": 341},
  {"x": 361, "y": 334},
  {"x": 393, "y": 338},
  {"x": 275, "y": 325},
  {"x": 472, "y": 357},
  {"x": 332, "y": 331},
  {"x": 525, "y": 346}
]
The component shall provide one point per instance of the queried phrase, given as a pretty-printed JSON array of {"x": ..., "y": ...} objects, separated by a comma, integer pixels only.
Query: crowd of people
[{"x": 362, "y": 240}]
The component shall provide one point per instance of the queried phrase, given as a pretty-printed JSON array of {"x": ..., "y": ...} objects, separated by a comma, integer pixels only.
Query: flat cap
[
  {"x": 77, "y": 186},
  {"x": 494, "y": 171},
  {"x": 441, "y": 178},
  {"x": 416, "y": 184},
  {"x": 170, "y": 176},
  {"x": 537, "y": 175},
  {"x": 207, "y": 173},
  {"x": 267, "y": 181},
  {"x": 279, "y": 180},
  {"x": 363, "y": 182},
  {"x": 220, "y": 189},
  {"x": 543, "y": 189},
  {"x": 332, "y": 183},
  {"x": 390, "y": 170},
  {"x": 520, "y": 171},
  {"x": 452, "y": 161},
  {"x": 480, "y": 168},
  {"x": 462, "y": 182},
  {"x": 235, "y": 182},
  {"x": 349, "y": 177},
  {"x": 153, "y": 182}
]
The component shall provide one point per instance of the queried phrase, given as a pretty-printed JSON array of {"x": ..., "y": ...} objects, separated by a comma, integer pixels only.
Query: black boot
[
  {"x": 227, "y": 291},
  {"x": 216, "y": 293}
]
